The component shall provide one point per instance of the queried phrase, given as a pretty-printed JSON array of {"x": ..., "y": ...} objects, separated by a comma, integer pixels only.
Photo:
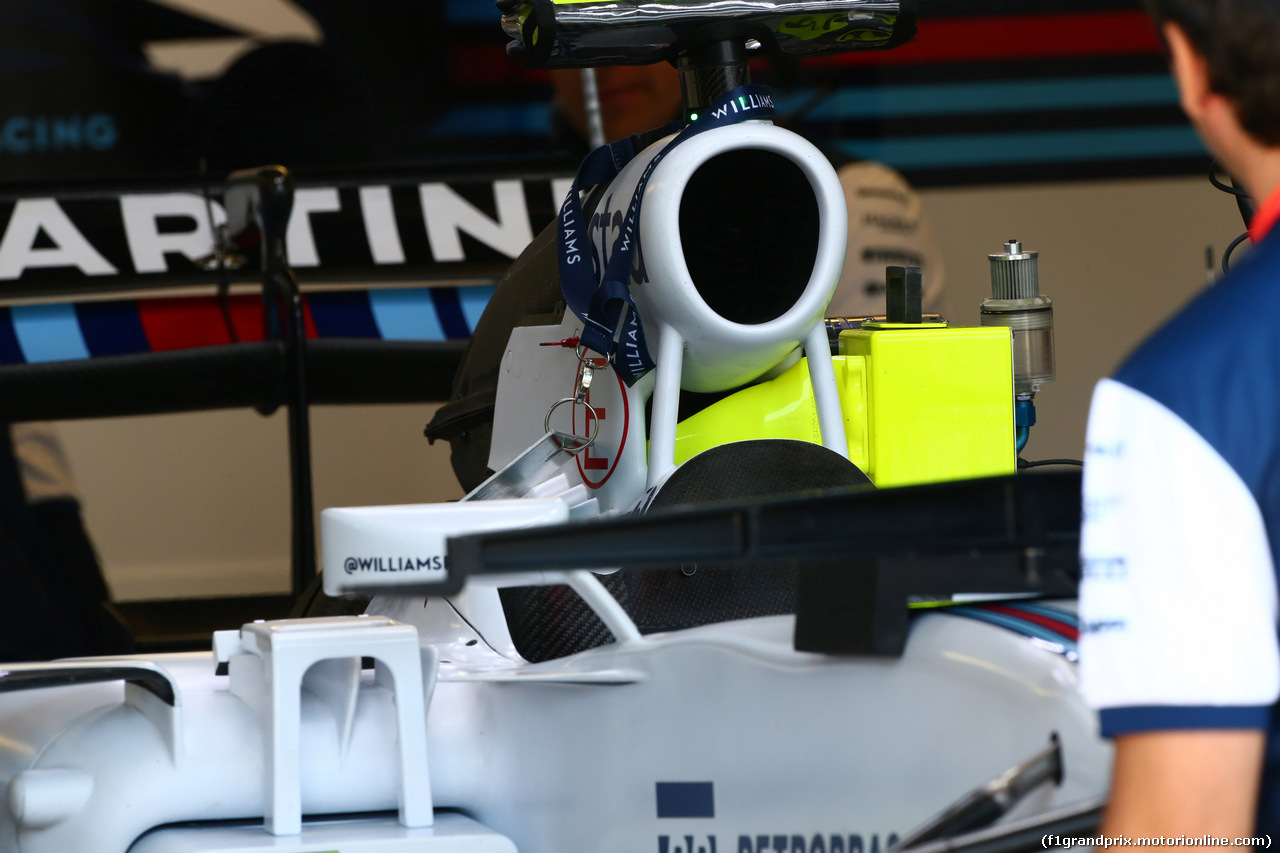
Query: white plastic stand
[{"x": 270, "y": 663}]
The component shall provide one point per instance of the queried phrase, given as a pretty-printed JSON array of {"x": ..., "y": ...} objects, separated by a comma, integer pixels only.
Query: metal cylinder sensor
[{"x": 1016, "y": 303}]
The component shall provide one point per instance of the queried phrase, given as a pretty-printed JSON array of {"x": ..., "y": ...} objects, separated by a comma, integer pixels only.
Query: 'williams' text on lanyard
[{"x": 601, "y": 299}]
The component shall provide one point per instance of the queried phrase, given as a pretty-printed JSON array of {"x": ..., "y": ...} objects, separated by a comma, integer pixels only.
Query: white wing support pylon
[{"x": 271, "y": 663}]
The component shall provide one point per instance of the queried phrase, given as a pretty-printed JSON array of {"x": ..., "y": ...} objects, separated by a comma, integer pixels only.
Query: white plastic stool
[{"x": 269, "y": 662}]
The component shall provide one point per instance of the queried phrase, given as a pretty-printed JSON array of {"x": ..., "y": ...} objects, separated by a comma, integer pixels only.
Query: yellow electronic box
[{"x": 923, "y": 402}]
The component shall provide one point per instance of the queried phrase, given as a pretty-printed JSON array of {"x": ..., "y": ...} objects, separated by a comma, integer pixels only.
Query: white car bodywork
[
  {"x": 567, "y": 755},
  {"x": 715, "y": 739},
  {"x": 791, "y": 749}
]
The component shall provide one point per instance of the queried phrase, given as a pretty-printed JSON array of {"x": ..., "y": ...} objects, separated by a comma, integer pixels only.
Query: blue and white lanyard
[{"x": 611, "y": 325}]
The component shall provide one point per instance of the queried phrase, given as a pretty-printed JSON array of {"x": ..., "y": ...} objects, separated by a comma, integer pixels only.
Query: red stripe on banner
[
  {"x": 246, "y": 317},
  {"x": 489, "y": 65},
  {"x": 1050, "y": 36},
  {"x": 308, "y": 321},
  {"x": 1068, "y": 631},
  {"x": 198, "y": 321},
  {"x": 183, "y": 322}
]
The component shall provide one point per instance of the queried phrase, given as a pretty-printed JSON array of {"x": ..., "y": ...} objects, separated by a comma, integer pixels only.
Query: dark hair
[{"x": 1240, "y": 41}]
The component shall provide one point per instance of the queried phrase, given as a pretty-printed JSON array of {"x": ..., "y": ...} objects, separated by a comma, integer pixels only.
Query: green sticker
[
  {"x": 863, "y": 36},
  {"x": 808, "y": 27}
]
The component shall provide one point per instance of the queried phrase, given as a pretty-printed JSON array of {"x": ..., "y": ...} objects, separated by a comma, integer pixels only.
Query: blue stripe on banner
[
  {"x": 922, "y": 152},
  {"x": 494, "y": 120},
  {"x": 470, "y": 12},
  {"x": 49, "y": 332},
  {"x": 342, "y": 314},
  {"x": 686, "y": 799},
  {"x": 406, "y": 314},
  {"x": 880, "y": 102},
  {"x": 112, "y": 328},
  {"x": 10, "y": 352},
  {"x": 1027, "y": 629},
  {"x": 985, "y": 97},
  {"x": 1146, "y": 718},
  {"x": 450, "y": 313},
  {"x": 473, "y": 301}
]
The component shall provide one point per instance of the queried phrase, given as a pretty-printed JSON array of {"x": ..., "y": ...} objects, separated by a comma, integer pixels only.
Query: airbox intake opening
[{"x": 749, "y": 229}]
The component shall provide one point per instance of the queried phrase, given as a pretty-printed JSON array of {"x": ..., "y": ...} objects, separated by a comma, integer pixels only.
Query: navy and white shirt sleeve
[{"x": 1178, "y": 595}]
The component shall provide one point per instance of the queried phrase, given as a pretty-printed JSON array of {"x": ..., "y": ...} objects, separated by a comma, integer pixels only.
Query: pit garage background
[{"x": 1046, "y": 121}]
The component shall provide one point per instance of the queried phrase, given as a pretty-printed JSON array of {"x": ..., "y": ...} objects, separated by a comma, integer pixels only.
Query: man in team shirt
[{"x": 1182, "y": 489}]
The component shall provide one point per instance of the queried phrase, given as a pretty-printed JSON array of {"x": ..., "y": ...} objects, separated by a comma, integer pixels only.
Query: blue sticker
[{"x": 686, "y": 799}]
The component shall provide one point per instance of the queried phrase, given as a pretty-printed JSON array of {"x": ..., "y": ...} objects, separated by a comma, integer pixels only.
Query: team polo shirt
[{"x": 1182, "y": 517}]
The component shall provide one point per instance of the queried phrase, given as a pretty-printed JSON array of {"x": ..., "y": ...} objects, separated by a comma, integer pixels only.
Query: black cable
[
  {"x": 1226, "y": 188},
  {"x": 824, "y": 89},
  {"x": 1244, "y": 201},
  {"x": 1039, "y": 463},
  {"x": 1226, "y": 255},
  {"x": 219, "y": 253}
]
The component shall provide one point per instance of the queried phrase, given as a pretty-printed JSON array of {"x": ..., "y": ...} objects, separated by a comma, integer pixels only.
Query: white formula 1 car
[{"x": 497, "y": 694}]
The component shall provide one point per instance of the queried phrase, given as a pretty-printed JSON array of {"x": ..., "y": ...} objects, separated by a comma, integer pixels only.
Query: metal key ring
[
  {"x": 595, "y": 419},
  {"x": 590, "y": 361}
]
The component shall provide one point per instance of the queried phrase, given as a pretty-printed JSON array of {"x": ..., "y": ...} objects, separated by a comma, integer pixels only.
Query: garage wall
[
  {"x": 1117, "y": 257},
  {"x": 198, "y": 504}
]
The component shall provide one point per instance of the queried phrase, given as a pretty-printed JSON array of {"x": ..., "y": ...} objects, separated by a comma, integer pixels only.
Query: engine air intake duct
[
  {"x": 741, "y": 241},
  {"x": 749, "y": 227}
]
